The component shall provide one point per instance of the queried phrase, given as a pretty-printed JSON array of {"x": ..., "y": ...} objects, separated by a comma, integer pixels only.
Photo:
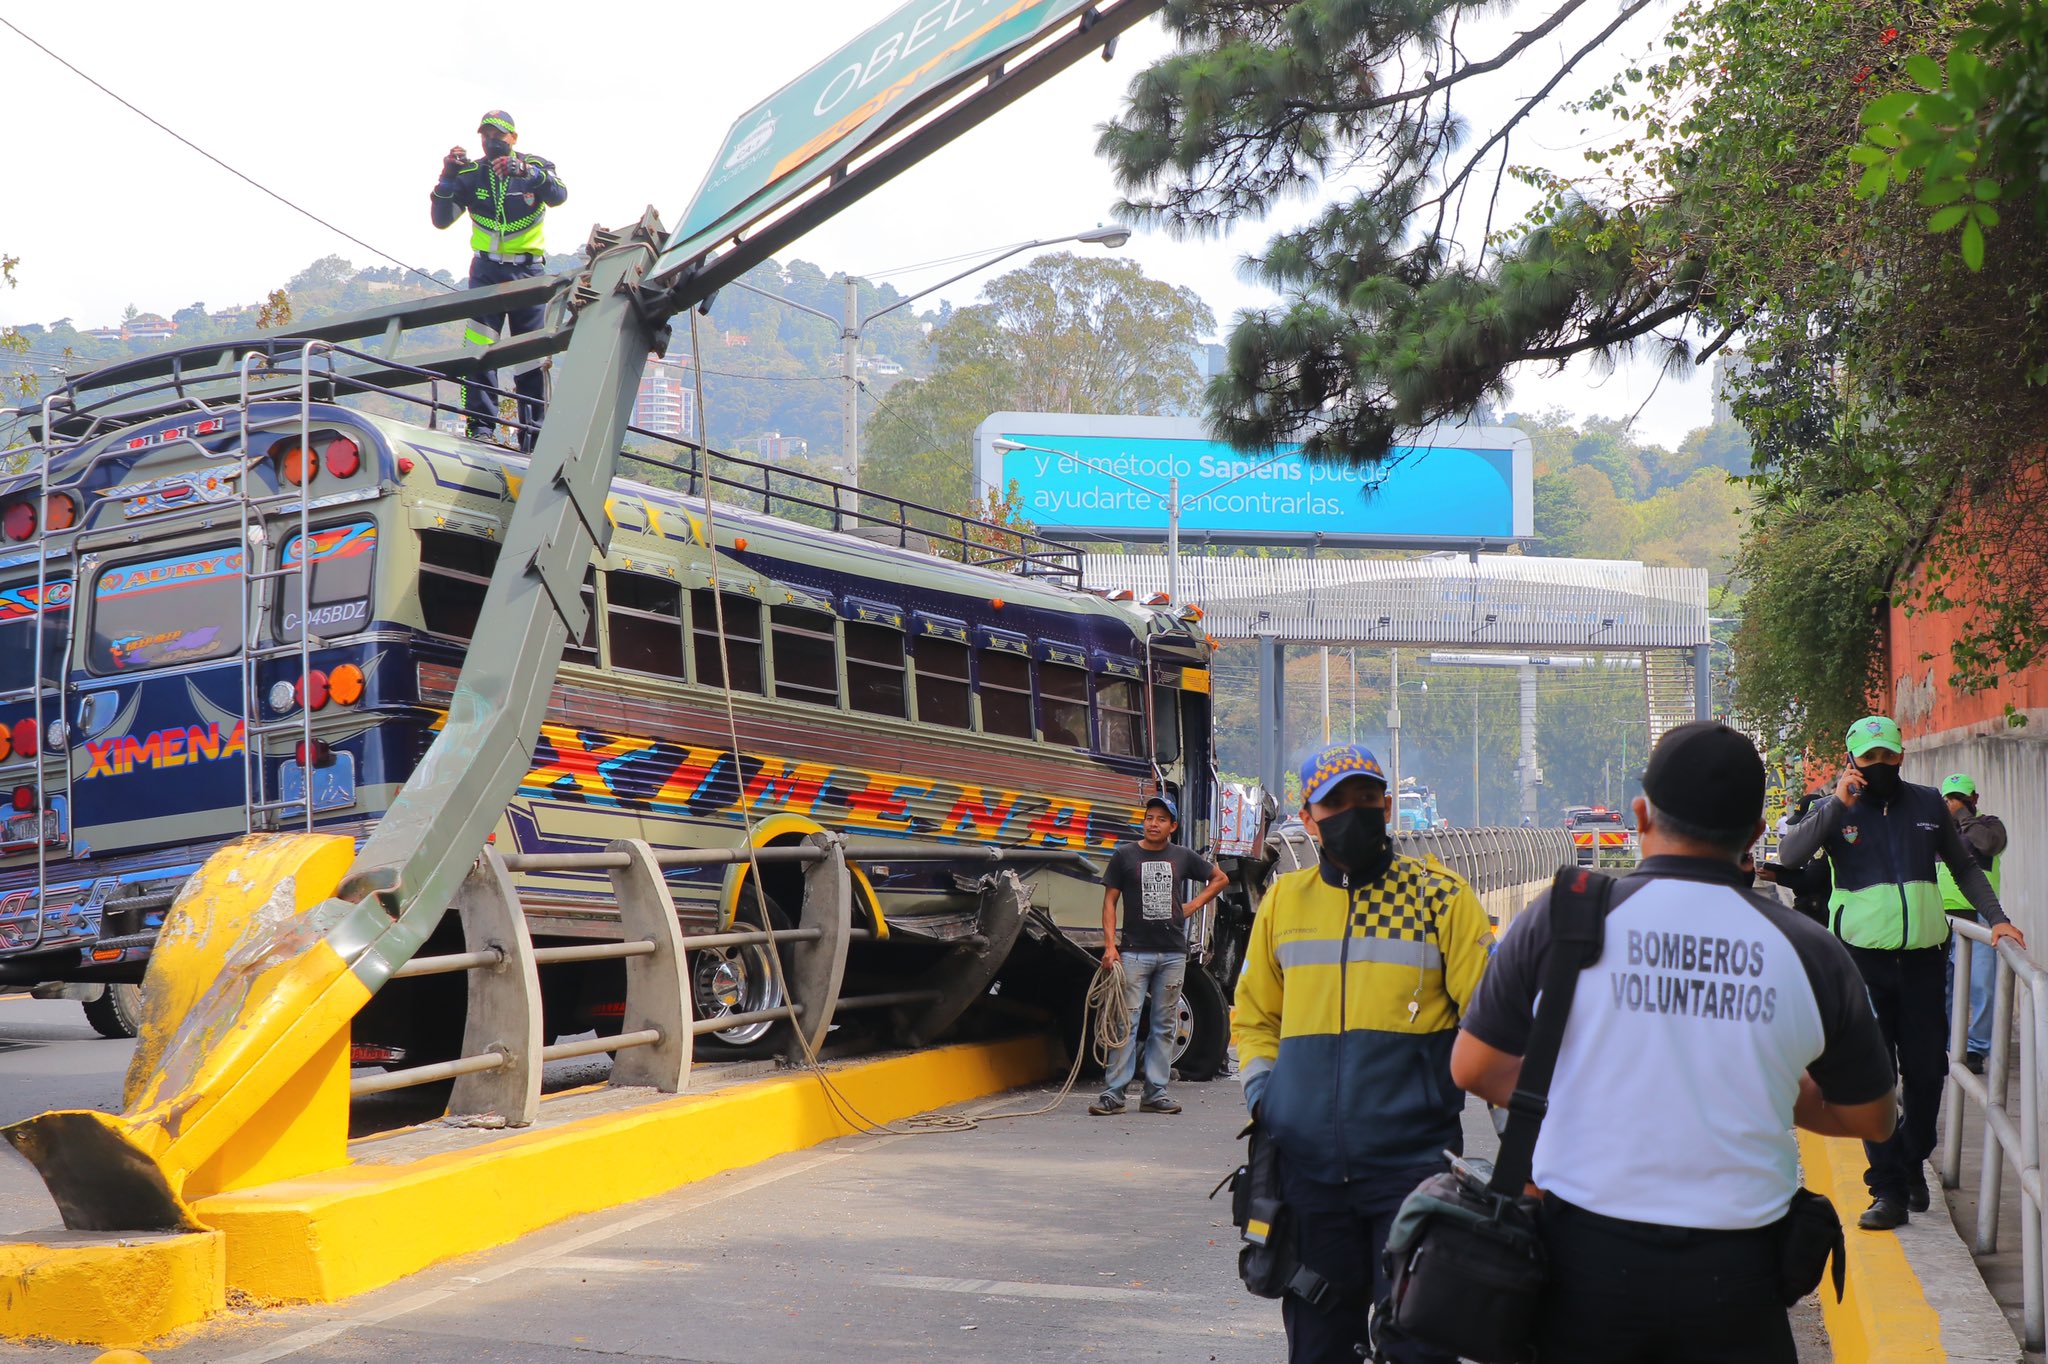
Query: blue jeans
[
  {"x": 1983, "y": 981},
  {"x": 1156, "y": 975}
]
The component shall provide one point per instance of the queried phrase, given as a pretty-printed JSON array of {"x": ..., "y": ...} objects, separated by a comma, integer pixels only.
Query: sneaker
[
  {"x": 1975, "y": 1061},
  {"x": 1106, "y": 1107},
  {"x": 1883, "y": 1214},
  {"x": 1159, "y": 1105}
]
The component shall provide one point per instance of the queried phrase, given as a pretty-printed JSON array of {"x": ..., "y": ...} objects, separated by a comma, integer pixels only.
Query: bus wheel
[
  {"x": 117, "y": 1013},
  {"x": 737, "y": 980},
  {"x": 1201, "y": 1037}
]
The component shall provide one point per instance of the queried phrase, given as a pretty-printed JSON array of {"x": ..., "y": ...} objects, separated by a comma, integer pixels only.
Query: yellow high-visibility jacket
[{"x": 1347, "y": 1078}]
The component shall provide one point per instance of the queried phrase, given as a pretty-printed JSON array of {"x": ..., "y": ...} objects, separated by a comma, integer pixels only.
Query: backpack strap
[{"x": 1579, "y": 898}]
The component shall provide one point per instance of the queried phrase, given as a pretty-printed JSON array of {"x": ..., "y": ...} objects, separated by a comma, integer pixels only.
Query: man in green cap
[
  {"x": 507, "y": 195},
  {"x": 1883, "y": 837},
  {"x": 1986, "y": 837}
]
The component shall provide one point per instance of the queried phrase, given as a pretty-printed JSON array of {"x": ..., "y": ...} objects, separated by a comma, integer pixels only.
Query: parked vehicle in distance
[{"x": 1599, "y": 835}]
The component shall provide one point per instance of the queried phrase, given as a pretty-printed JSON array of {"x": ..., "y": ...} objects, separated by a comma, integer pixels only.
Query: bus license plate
[{"x": 334, "y": 786}]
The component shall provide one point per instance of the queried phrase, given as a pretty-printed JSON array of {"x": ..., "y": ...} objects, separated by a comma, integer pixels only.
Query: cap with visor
[
  {"x": 497, "y": 118},
  {"x": 1321, "y": 773},
  {"x": 1959, "y": 784},
  {"x": 1165, "y": 803},
  {"x": 1875, "y": 731}
]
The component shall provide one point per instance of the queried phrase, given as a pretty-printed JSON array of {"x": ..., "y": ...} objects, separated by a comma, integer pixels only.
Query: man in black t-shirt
[{"x": 1150, "y": 878}]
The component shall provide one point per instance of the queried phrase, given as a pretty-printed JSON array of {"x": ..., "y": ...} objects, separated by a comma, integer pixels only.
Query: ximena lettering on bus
[
  {"x": 649, "y": 774},
  {"x": 175, "y": 747}
]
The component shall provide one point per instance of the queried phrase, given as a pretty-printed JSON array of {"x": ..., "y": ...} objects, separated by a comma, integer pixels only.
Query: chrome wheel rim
[{"x": 731, "y": 981}]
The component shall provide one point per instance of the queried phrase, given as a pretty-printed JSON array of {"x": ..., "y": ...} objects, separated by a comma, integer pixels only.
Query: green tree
[{"x": 1063, "y": 334}]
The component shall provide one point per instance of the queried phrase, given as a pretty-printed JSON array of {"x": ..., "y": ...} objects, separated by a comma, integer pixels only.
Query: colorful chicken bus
[{"x": 243, "y": 617}]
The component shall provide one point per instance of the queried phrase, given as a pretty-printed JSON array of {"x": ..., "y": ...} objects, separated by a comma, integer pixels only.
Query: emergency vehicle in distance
[{"x": 1599, "y": 835}]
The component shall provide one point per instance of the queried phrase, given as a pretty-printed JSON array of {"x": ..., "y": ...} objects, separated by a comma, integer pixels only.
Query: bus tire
[
  {"x": 741, "y": 980},
  {"x": 1206, "y": 1021},
  {"x": 117, "y": 1012}
]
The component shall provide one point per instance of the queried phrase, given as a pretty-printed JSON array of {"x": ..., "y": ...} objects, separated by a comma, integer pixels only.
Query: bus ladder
[
  {"x": 50, "y": 696},
  {"x": 263, "y": 590}
]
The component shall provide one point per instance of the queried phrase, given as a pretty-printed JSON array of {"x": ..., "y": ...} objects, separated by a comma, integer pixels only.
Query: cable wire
[{"x": 250, "y": 180}]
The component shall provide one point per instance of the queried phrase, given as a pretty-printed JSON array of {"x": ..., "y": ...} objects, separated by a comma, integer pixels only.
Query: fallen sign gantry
[{"x": 240, "y": 1084}]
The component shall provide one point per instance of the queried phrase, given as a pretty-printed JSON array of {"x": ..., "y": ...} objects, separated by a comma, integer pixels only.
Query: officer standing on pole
[
  {"x": 1882, "y": 836},
  {"x": 507, "y": 196}
]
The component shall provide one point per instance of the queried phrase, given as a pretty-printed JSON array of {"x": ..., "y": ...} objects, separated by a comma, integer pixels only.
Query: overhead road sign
[
  {"x": 810, "y": 133},
  {"x": 1083, "y": 476}
]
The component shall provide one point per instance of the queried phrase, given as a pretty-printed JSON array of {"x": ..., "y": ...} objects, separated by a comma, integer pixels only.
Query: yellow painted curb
[
  {"x": 1884, "y": 1317},
  {"x": 318, "y": 1238},
  {"x": 99, "y": 1289}
]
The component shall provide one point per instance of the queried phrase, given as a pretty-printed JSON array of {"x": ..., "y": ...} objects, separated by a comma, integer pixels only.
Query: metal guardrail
[
  {"x": 498, "y": 1071},
  {"x": 1495, "y": 859},
  {"x": 2006, "y": 1142}
]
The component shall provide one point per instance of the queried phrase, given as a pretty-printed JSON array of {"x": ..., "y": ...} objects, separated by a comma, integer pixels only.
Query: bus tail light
[
  {"x": 18, "y": 521},
  {"x": 345, "y": 684},
  {"x": 61, "y": 512},
  {"x": 318, "y": 754},
  {"x": 312, "y": 689},
  {"x": 296, "y": 464},
  {"x": 23, "y": 738},
  {"x": 24, "y": 798},
  {"x": 343, "y": 457}
]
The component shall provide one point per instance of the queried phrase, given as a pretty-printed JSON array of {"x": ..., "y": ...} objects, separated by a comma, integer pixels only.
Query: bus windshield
[
  {"x": 163, "y": 612},
  {"x": 18, "y": 631}
]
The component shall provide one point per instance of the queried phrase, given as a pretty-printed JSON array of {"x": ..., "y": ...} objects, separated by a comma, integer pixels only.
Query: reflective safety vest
[
  {"x": 506, "y": 215},
  {"x": 1952, "y": 894}
]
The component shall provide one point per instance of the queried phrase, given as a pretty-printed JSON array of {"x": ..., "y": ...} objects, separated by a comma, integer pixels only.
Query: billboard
[
  {"x": 775, "y": 149},
  {"x": 1091, "y": 477}
]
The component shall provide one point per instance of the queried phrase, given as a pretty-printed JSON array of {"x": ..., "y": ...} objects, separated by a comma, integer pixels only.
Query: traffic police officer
[
  {"x": 507, "y": 196},
  {"x": 1713, "y": 1021},
  {"x": 1882, "y": 836},
  {"x": 1348, "y": 1004}
]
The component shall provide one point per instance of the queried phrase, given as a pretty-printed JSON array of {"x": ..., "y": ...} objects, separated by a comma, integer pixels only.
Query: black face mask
[
  {"x": 1880, "y": 780},
  {"x": 495, "y": 147},
  {"x": 1355, "y": 841}
]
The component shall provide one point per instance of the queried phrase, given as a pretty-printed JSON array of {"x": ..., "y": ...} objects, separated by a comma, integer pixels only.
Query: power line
[{"x": 160, "y": 124}]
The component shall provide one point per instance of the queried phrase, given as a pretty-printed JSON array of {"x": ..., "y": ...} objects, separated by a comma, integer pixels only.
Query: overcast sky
[{"x": 348, "y": 111}]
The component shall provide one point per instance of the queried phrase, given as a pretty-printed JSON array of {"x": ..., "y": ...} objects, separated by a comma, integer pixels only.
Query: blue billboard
[{"x": 1109, "y": 478}]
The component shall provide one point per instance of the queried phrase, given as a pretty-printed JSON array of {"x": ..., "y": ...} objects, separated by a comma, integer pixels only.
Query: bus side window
[
  {"x": 874, "y": 669},
  {"x": 454, "y": 571},
  {"x": 943, "y": 690},
  {"x": 806, "y": 655},
  {"x": 585, "y": 650},
  {"x": 1119, "y": 704},
  {"x": 644, "y": 620},
  {"x": 1006, "y": 694},
  {"x": 1063, "y": 692},
  {"x": 742, "y": 638}
]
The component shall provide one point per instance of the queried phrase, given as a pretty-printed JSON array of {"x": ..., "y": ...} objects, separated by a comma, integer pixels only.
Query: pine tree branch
[
  {"x": 1493, "y": 63},
  {"x": 1596, "y": 339}
]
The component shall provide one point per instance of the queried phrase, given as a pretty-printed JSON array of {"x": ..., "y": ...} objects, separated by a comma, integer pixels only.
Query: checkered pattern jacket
[{"x": 1346, "y": 1011}]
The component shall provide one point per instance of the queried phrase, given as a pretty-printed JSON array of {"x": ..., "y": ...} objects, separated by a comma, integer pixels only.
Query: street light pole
[{"x": 852, "y": 327}]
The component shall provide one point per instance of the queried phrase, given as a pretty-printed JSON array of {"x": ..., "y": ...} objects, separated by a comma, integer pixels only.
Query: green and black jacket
[{"x": 1883, "y": 858}]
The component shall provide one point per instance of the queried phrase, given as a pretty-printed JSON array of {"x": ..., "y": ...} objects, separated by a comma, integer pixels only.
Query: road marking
[
  {"x": 549, "y": 1258},
  {"x": 1003, "y": 1288}
]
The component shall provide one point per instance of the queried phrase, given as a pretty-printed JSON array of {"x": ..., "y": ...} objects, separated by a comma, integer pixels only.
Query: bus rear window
[
  {"x": 163, "y": 612},
  {"x": 18, "y": 634},
  {"x": 340, "y": 586}
]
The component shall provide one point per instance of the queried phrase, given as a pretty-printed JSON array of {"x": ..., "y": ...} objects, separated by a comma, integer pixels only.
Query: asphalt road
[
  {"x": 49, "y": 1058},
  {"x": 1044, "y": 1238}
]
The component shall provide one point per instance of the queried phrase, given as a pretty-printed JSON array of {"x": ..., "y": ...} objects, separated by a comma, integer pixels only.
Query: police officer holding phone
[
  {"x": 507, "y": 196},
  {"x": 1881, "y": 837}
]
